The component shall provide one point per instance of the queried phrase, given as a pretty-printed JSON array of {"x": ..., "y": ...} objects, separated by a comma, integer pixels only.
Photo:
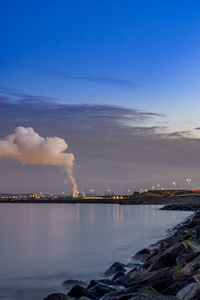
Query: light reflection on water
[{"x": 41, "y": 245}]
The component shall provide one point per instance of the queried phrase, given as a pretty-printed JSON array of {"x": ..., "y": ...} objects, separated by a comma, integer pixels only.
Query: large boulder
[
  {"x": 169, "y": 257},
  {"x": 128, "y": 278},
  {"x": 193, "y": 245},
  {"x": 118, "y": 275},
  {"x": 58, "y": 296},
  {"x": 196, "y": 262},
  {"x": 144, "y": 294},
  {"x": 174, "y": 287},
  {"x": 116, "y": 267},
  {"x": 72, "y": 282},
  {"x": 189, "y": 291},
  {"x": 159, "y": 279},
  {"x": 101, "y": 289},
  {"x": 78, "y": 291},
  {"x": 101, "y": 281},
  {"x": 142, "y": 255},
  {"x": 194, "y": 222},
  {"x": 183, "y": 272},
  {"x": 185, "y": 257}
]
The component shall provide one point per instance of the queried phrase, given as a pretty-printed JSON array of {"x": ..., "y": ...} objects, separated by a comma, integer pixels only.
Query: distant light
[{"x": 188, "y": 180}]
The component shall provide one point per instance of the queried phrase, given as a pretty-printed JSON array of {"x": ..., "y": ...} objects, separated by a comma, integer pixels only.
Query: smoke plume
[{"x": 29, "y": 147}]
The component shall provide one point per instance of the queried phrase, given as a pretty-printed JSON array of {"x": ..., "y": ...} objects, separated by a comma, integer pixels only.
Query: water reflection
[
  {"x": 78, "y": 213},
  {"x": 44, "y": 244},
  {"x": 117, "y": 213}
]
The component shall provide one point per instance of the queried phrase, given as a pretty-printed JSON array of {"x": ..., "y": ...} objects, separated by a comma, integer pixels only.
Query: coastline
[
  {"x": 189, "y": 201},
  {"x": 170, "y": 269}
]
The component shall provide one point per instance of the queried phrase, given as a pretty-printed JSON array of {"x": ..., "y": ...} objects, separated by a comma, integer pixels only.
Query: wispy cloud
[
  {"x": 89, "y": 111},
  {"x": 116, "y": 81},
  {"x": 62, "y": 73}
]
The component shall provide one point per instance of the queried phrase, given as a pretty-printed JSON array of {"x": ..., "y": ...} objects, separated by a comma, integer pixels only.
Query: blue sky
[{"x": 139, "y": 55}]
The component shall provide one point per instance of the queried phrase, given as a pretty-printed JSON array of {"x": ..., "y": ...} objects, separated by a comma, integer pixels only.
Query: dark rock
[
  {"x": 195, "y": 262},
  {"x": 189, "y": 291},
  {"x": 91, "y": 284},
  {"x": 144, "y": 251},
  {"x": 150, "y": 294},
  {"x": 58, "y": 296},
  {"x": 193, "y": 245},
  {"x": 194, "y": 222},
  {"x": 147, "y": 292},
  {"x": 183, "y": 207},
  {"x": 71, "y": 282},
  {"x": 102, "y": 281},
  {"x": 184, "y": 272},
  {"x": 116, "y": 267},
  {"x": 158, "y": 279},
  {"x": 175, "y": 287},
  {"x": 162, "y": 284},
  {"x": 118, "y": 275},
  {"x": 126, "y": 280},
  {"x": 155, "y": 298},
  {"x": 184, "y": 258},
  {"x": 142, "y": 255},
  {"x": 144, "y": 293},
  {"x": 78, "y": 291},
  {"x": 106, "y": 281},
  {"x": 101, "y": 289},
  {"x": 123, "y": 295},
  {"x": 168, "y": 257},
  {"x": 196, "y": 276}
]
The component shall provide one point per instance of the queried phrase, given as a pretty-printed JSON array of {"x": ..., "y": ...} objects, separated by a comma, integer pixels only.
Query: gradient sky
[{"x": 118, "y": 79}]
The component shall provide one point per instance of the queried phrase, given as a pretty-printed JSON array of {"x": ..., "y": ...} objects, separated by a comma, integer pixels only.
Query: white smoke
[{"x": 29, "y": 147}]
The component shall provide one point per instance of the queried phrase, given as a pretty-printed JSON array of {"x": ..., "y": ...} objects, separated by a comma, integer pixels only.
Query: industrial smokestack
[{"x": 29, "y": 147}]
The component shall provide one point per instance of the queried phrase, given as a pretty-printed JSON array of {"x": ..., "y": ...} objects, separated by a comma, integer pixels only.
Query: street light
[
  {"x": 188, "y": 180},
  {"x": 174, "y": 183},
  {"x": 108, "y": 192}
]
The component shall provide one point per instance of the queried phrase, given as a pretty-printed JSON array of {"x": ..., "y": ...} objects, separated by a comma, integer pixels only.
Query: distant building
[{"x": 35, "y": 196}]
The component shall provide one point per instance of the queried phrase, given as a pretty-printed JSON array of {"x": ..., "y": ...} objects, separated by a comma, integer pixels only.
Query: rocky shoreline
[
  {"x": 169, "y": 270},
  {"x": 186, "y": 207}
]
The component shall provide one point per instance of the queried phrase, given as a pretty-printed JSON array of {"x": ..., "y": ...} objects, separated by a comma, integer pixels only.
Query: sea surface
[{"x": 41, "y": 245}]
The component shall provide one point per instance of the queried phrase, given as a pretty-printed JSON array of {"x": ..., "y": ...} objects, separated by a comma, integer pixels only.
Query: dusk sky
[{"x": 117, "y": 79}]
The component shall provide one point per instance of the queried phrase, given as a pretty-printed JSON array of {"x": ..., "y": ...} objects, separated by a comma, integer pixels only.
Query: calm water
[{"x": 41, "y": 245}]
